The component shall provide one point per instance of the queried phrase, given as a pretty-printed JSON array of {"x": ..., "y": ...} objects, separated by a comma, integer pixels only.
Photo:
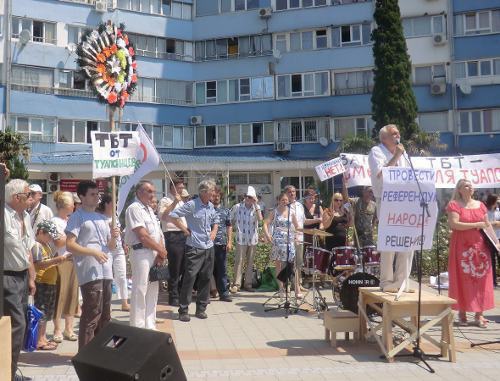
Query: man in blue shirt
[{"x": 202, "y": 224}]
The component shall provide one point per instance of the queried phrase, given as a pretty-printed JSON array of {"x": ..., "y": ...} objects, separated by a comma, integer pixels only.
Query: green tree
[
  {"x": 393, "y": 100},
  {"x": 361, "y": 144},
  {"x": 14, "y": 151}
]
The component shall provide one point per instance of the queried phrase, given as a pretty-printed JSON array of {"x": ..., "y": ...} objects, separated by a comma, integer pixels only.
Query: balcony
[{"x": 89, "y": 94}]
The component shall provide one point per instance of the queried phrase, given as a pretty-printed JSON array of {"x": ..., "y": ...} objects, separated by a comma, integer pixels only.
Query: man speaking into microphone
[{"x": 389, "y": 153}]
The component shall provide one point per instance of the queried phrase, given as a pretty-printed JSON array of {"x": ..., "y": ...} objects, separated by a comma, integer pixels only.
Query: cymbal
[{"x": 320, "y": 233}]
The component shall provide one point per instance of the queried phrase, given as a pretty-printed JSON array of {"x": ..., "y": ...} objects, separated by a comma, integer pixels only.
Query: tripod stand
[
  {"x": 286, "y": 274},
  {"x": 417, "y": 351}
]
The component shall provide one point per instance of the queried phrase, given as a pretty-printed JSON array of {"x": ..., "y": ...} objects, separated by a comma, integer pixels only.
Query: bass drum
[{"x": 348, "y": 292}]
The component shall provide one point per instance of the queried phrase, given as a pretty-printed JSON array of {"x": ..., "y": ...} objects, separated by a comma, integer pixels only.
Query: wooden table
[{"x": 394, "y": 313}]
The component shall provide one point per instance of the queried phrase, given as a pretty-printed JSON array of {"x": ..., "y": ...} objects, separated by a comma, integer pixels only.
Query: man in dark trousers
[
  {"x": 175, "y": 239},
  {"x": 202, "y": 225},
  {"x": 18, "y": 271}
]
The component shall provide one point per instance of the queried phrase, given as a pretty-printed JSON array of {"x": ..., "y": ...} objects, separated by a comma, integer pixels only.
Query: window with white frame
[
  {"x": 477, "y": 68},
  {"x": 176, "y": 9},
  {"x": 423, "y": 26},
  {"x": 163, "y": 91},
  {"x": 479, "y": 121},
  {"x": 75, "y": 33},
  {"x": 353, "y": 82},
  {"x": 351, "y": 35},
  {"x": 214, "y": 7},
  {"x": 34, "y": 128},
  {"x": 234, "y": 90},
  {"x": 282, "y": 5},
  {"x": 180, "y": 137},
  {"x": 281, "y": 42},
  {"x": 234, "y": 134},
  {"x": 426, "y": 74},
  {"x": 145, "y": 90},
  {"x": 302, "y": 40},
  {"x": 354, "y": 126},
  {"x": 303, "y": 85},
  {"x": 40, "y": 31},
  {"x": 480, "y": 22},
  {"x": 32, "y": 76},
  {"x": 158, "y": 47},
  {"x": 302, "y": 130},
  {"x": 233, "y": 47},
  {"x": 70, "y": 79},
  {"x": 433, "y": 122}
]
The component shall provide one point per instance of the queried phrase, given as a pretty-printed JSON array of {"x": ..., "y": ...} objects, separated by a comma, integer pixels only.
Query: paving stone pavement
[{"x": 240, "y": 341}]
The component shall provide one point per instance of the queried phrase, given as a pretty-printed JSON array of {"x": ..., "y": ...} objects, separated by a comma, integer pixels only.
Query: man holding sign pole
[{"x": 389, "y": 153}]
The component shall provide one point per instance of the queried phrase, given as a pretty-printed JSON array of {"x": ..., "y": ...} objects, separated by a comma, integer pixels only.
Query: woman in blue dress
[{"x": 279, "y": 230}]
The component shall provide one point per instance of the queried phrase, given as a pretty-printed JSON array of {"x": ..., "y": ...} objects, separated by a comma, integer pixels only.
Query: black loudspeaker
[{"x": 120, "y": 352}]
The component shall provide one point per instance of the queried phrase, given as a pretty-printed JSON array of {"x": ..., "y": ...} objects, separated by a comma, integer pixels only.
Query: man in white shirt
[
  {"x": 18, "y": 270},
  {"x": 143, "y": 236},
  {"x": 175, "y": 239},
  {"x": 245, "y": 218},
  {"x": 389, "y": 153},
  {"x": 298, "y": 209},
  {"x": 38, "y": 211}
]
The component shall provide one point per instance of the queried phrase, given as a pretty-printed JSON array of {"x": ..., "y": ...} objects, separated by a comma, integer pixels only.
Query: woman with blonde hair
[
  {"x": 336, "y": 220},
  {"x": 67, "y": 292},
  {"x": 469, "y": 262}
]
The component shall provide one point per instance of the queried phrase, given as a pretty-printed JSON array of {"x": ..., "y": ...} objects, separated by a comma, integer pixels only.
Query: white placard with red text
[
  {"x": 482, "y": 170},
  {"x": 330, "y": 169},
  {"x": 400, "y": 223}
]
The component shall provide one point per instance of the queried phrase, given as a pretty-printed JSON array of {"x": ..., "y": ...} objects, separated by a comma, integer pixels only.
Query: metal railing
[{"x": 89, "y": 94}]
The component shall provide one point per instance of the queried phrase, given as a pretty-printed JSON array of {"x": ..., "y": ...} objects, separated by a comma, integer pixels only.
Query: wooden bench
[{"x": 340, "y": 321}]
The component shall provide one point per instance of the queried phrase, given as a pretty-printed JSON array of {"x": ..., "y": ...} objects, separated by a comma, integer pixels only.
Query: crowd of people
[{"x": 68, "y": 259}]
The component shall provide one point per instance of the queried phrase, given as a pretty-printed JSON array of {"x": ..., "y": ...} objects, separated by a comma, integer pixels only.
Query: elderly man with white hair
[
  {"x": 18, "y": 271},
  {"x": 389, "y": 153},
  {"x": 38, "y": 211},
  {"x": 202, "y": 224}
]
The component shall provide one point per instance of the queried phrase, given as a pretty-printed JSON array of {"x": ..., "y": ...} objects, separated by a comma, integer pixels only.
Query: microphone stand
[
  {"x": 417, "y": 351},
  {"x": 286, "y": 305}
]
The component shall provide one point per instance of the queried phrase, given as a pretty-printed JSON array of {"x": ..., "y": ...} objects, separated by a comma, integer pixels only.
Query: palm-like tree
[
  {"x": 355, "y": 144},
  {"x": 420, "y": 143}
]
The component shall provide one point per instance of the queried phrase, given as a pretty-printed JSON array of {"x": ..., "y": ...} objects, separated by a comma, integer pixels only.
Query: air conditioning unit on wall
[
  {"x": 265, "y": 13},
  {"x": 101, "y": 5},
  {"x": 282, "y": 147},
  {"x": 439, "y": 39},
  {"x": 438, "y": 88},
  {"x": 195, "y": 120}
]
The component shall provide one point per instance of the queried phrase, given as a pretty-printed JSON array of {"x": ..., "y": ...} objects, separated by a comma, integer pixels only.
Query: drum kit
[{"x": 346, "y": 267}]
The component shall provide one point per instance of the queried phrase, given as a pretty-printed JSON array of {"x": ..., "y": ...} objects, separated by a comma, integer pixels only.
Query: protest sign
[
  {"x": 483, "y": 171},
  {"x": 330, "y": 169},
  {"x": 400, "y": 223},
  {"x": 114, "y": 153}
]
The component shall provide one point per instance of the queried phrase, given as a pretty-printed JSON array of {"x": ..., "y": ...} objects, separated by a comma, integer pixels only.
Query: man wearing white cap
[
  {"x": 38, "y": 211},
  {"x": 245, "y": 217}
]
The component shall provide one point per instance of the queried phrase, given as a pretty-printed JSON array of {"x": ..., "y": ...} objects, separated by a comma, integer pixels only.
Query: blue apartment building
[{"x": 255, "y": 91}]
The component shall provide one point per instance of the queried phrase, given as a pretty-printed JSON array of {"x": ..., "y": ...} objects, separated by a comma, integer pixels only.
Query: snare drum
[
  {"x": 344, "y": 257},
  {"x": 371, "y": 257},
  {"x": 316, "y": 259}
]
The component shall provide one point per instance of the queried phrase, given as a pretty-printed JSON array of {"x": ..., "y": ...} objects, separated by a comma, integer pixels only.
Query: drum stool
[{"x": 340, "y": 321}]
